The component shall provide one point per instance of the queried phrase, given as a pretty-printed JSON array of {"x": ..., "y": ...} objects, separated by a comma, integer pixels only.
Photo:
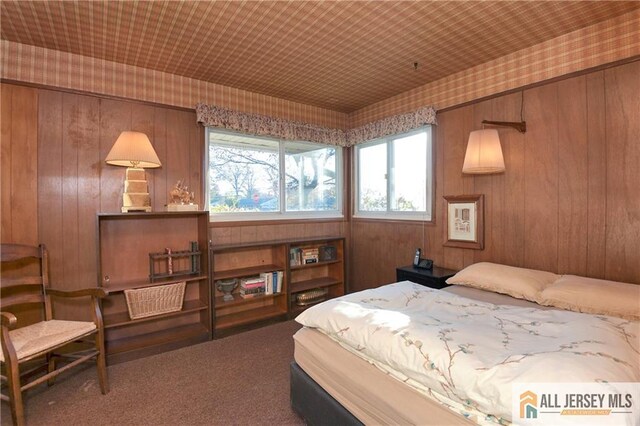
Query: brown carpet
[{"x": 239, "y": 380}]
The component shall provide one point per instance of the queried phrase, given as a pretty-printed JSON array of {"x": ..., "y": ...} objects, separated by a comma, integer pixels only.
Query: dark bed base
[{"x": 314, "y": 404}]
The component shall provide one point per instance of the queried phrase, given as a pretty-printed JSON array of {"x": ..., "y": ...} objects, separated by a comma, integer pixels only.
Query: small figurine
[{"x": 180, "y": 194}]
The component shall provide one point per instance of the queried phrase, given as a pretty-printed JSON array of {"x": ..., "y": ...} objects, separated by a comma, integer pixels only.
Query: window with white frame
[
  {"x": 394, "y": 175},
  {"x": 260, "y": 178}
]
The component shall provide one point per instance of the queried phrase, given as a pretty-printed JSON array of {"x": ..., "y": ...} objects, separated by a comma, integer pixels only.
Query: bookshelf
[
  {"x": 128, "y": 247},
  {"x": 245, "y": 261},
  {"x": 316, "y": 272}
]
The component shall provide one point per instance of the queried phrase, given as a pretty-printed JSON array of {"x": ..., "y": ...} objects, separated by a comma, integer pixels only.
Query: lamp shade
[
  {"x": 133, "y": 149},
  {"x": 484, "y": 153}
]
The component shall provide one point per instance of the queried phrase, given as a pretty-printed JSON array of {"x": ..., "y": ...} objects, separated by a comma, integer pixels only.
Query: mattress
[{"x": 371, "y": 395}]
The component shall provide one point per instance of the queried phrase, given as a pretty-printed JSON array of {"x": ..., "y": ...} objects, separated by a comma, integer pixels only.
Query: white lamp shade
[
  {"x": 133, "y": 149},
  {"x": 484, "y": 153}
]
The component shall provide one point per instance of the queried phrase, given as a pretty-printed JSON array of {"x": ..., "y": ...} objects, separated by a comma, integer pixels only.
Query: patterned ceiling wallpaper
[
  {"x": 338, "y": 55},
  {"x": 37, "y": 65},
  {"x": 608, "y": 41}
]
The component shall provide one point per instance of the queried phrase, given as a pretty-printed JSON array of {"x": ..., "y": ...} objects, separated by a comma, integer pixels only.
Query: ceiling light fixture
[{"x": 484, "y": 152}]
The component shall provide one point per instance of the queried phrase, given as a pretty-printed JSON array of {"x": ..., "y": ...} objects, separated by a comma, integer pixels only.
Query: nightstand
[{"x": 433, "y": 278}]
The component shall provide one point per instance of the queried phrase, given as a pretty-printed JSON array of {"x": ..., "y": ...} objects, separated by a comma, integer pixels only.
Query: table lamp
[{"x": 134, "y": 151}]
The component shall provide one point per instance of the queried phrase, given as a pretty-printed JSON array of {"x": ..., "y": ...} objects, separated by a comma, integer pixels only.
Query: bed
[{"x": 346, "y": 371}]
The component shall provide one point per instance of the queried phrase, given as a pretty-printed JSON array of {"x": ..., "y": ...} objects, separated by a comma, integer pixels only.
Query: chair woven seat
[
  {"x": 41, "y": 336},
  {"x": 51, "y": 346}
]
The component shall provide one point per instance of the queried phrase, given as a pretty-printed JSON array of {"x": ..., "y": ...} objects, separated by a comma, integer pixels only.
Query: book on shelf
[
  {"x": 251, "y": 282},
  {"x": 295, "y": 256},
  {"x": 259, "y": 284},
  {"x": 266, "y": 283},
  {"x": 252, "y": 290},
  {"x": 273, "y": 281},
  {"x": 267, "y": 276},
  {"x": 303, "y": 256},
  {"x": 310, "y": 255},
  {"x": 248, "y": 294}
]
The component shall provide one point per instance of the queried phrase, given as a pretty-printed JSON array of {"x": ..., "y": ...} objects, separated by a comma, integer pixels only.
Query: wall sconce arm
[{"x": 519, "y": 126}]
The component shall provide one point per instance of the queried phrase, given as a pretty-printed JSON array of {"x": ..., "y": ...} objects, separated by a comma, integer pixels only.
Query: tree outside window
[{"x": 245, "y": 175}]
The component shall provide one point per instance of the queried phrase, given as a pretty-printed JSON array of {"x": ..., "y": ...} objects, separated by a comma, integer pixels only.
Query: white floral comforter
[{"x": 470, "y": 352}]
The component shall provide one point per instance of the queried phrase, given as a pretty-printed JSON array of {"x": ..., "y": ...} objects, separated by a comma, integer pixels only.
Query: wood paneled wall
[
  {"x": 19, "y": 162},
  {"x": 246, "y": 233},
  {"x": 54, "y": 179},
  {"x": 568, "y": 202},
  {"x": 75, "y": 134}
]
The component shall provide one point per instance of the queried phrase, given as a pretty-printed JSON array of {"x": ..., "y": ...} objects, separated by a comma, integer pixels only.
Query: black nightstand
[{"x": 434, "y": 278}]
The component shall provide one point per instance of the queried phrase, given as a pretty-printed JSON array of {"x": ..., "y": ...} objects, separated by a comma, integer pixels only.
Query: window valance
[
  {"x": 393, "y": 125},
  {"x": 262, "y": 125}
]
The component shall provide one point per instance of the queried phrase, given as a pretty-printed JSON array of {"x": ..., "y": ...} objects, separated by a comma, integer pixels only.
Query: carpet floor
[{"x": 238, "y": 380}]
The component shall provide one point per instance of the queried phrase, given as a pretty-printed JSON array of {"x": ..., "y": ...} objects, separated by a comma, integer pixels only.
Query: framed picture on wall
[{"x": 465, "y": 221}]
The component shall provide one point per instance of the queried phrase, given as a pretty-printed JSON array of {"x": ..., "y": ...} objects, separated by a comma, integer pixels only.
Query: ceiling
[{"x": 337, "y": 55}]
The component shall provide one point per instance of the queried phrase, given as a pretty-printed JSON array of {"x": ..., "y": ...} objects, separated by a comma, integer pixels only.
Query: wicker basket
[
  {"x": 310, "y": 297},
  {"x": 149, "y": 301}
]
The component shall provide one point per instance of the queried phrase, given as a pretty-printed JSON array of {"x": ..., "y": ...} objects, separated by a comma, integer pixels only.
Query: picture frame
[{"x": 465, "y": 221}]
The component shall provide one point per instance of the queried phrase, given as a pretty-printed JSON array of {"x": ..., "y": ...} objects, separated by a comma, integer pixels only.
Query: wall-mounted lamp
[
  {"x": 484, "y": 153},
  {"x": 134, "y": 151}
]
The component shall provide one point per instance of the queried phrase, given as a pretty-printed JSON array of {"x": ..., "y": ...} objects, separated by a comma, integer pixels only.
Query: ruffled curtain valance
[
  {"x": 392, "y": 125},
  {"x": 261, "y": 125}
]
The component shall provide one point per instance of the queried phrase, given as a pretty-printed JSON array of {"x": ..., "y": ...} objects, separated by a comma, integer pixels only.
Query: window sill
[
  {"x": 217, "y": 222},
  {"x": 393, "y": 219}
]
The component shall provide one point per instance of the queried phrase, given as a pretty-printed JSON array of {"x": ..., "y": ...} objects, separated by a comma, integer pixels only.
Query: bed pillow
[
  {"x": 594, "y": 296},
  {"x": 520, "y": 283}
]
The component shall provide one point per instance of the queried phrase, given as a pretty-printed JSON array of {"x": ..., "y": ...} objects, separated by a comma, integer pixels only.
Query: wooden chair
[{"x": 43, "y": 340}]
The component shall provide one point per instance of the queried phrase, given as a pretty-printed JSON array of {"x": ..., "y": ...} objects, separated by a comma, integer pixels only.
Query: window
[
  {"x": 260, "y": 178},
  {"x": 394, "y": 175}
]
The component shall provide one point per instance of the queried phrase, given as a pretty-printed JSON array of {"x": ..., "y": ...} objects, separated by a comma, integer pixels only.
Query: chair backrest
[{"x": 25, "y": 277}]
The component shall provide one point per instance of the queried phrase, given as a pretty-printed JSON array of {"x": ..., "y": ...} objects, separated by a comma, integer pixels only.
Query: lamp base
[{"x": 135, "y": 197}]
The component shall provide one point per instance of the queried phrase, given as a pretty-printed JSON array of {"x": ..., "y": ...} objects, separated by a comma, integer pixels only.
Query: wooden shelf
[
  {"x": 246, "y": 317},
  {"x": 314, "y": 265},
  {"x": 243, "y": 260},
  {"x": 299, "y": 286},
  {"x": 174, "y": 276},
  {"x": 150, "y": 215},
  {"x": 125, "y": 242},
  {"x": 121, "y": 319},
  {"x": 115, "y": 287},
  {"x": 143, "y": 341},
  {"x": 183, "y": 253},
  {"x": 245, "y": 272},
  {"x": 239, "y": 300},
  {"x": 293, "y": 242}
]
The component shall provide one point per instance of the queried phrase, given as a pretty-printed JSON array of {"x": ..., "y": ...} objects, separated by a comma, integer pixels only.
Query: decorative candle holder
[{"x": 227, "y": 287}]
